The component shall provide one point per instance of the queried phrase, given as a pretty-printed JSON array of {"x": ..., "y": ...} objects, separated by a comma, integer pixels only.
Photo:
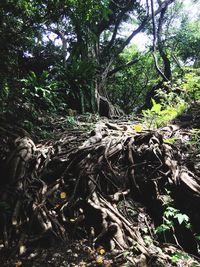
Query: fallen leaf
[
  {"x": 99, "y": 248},
  {"x": 99, "y": 260},
  {"x": 102, "y": 251},
  {"x": 137, "y": 128},
  {"x": 63, "y": 195}
]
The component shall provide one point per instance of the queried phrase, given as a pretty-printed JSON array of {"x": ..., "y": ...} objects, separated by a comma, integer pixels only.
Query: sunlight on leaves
[
  {"x": 182, "y": 218},
  {"x": 156, "y": 107}
]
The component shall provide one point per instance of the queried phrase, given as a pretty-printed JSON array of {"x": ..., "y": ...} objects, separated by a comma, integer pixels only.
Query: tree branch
[
  {"x": 154, "y": 42},
  {"x": 119, "y": 19},
  {"x": 148, "y": 17},
  {"x": 130, "y": 63},
  {"x": 167, "y": 65}
]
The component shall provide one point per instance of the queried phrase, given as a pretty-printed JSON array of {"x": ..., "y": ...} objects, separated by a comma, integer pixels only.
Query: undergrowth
[{"x": 174, "y": 99}]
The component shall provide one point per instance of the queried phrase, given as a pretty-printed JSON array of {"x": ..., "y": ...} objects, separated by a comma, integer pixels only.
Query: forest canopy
[{"x": 81, "y": 55}]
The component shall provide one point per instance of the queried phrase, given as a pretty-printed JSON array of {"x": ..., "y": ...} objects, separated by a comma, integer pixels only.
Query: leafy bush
[
  {"x": 191, "y": 85},
  {"x": 172, "y": 215},
  {"x": 159, "y": 114},
  {"x": 174, "y": 99},
  {"x": 41, "y": 90}
]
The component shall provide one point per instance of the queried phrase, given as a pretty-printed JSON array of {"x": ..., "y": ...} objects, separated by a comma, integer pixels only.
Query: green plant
[
  {"x": 174, "y": 99},
  {"x": 28, "y": 125},
  {"x": 170, "y": 216},
  {"x": 171, "y": 140},
  {"x": 4, "y": 94},
  {"x": 179, "y": 256},
  {"x": 71, "y": 121},
  {"x": 41, "y": 90},
  {"x": 159, "y": 114},
  {"x": 195, "y": 141},
  {"x": 182, "y": 259},
  {"x": 191, "y": 86}
]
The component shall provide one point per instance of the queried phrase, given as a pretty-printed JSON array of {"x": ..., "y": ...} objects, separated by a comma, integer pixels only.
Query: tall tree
[{"x": 78, "y": 41}]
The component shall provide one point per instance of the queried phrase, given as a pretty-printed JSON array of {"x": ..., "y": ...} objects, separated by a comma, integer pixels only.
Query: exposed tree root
[{"x": 109, "y": 187}]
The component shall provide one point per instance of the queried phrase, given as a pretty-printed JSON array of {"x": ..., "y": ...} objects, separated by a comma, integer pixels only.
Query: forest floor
[{"x": 63, "y": 139}]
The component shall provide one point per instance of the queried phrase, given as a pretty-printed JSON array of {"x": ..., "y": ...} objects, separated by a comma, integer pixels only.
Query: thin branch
[
  {"x": 143, "y": 24},
  {"x": 117, "y": 24},
  {"x": 167, "y": 67},
  {"x": 177, "y": 62},
  {"x": 115, "y": 30},
  {"x": 154, "y": 43},
  {"x": 154, "y": 27}
]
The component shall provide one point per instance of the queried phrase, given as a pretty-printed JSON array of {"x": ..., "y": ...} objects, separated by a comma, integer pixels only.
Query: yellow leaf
[
  {"x": 63, "y": 195},
  {"x": 137, "y": 128},
  {"x": 99, "y": 260},
  {"x": 102, "y": 251},
  {"x": 99, "y": 248}
]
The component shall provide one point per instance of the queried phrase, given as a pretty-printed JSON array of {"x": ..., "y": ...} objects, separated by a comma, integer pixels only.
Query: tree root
[{"x": 102, "y": 188}]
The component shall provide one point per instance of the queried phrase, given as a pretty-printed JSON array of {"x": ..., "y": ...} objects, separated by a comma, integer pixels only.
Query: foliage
[
  {"x": 171, "y": 140},
  {"x": 129, "y": 86},
  {"x": 71, "y": 121},
  {"x": 191, "y": 85},
  {"x": 170, "y": 217},
  {"x": 187, "y": 42},
  {"x": 77, "y": 42},
  {"x": 39, "y": 132},
  {"x": 182, "y": 258},
  {"x": 174, "y": 99},
  {"x": 159, "y": 115},
  {"x": 195, "y": 139},
  {"x": 78, "y": 45},
  {"x": 79, "y": 84},
  {"x": 41, "y": 90}
]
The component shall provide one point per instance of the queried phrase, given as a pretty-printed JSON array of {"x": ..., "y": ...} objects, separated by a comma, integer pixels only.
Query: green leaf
[
  {"x": 170, "y": 212},
  {"x": 197, "y": 237},
  {"x": 170, "y": 141},
  {"x": 162, "y": 228},
  {"x": 156, "y": 107},
  {"x": 181, "y": 218}
]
